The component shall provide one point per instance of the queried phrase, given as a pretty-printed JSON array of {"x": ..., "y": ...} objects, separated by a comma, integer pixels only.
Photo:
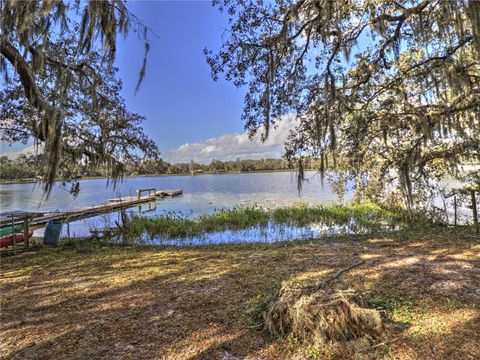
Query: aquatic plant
[{"x": 177, "y": 225}]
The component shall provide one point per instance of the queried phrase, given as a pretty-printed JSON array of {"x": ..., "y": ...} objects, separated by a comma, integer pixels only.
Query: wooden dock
[
  {"x": 127, "y": 199},
  {"x": 153, "y": 194},
  {"x": 111, "y": 205},
  {"x": 174, "y": 192}
]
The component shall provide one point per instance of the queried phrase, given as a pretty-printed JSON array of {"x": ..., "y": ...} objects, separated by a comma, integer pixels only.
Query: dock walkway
[
  {"x": 115, "y": 204},
  {"x": 174, "y": 192}
]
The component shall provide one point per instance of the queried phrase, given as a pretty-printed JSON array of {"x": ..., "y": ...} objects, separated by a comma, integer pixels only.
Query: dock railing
[{"x": 149, "y": 190}]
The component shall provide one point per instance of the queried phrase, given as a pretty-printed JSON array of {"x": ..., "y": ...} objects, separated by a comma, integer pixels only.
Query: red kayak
[{"x": 7, "y": 241}]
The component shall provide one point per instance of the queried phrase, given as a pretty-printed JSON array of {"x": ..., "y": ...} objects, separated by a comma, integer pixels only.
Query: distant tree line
[
  {"x": 215, "y": 166},
  {"x": 21, "y": 168},
  {"x": 24, "y": 167}
]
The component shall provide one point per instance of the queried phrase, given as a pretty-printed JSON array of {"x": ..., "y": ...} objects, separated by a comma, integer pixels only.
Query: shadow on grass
[{"x": 196, "y": 303}]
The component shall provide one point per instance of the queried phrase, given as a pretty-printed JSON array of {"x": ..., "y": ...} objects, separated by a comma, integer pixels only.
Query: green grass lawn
[{"x": 95, "y": 301}]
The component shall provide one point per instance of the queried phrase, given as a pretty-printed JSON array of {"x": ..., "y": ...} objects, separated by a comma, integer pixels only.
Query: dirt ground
[{"x": 205, "y": 302}]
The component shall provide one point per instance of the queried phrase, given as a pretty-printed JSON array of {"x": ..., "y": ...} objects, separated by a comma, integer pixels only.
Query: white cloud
[
  {"x": 225, "y": 147},
  {"x": 231, "y": 146}
]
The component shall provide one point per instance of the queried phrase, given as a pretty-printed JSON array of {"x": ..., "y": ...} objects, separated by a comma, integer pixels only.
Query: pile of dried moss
[{"x": 331, "y": 320}]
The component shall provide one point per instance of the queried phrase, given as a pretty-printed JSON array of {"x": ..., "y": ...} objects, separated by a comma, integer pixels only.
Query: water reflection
[{"x": 269, "y": 233}]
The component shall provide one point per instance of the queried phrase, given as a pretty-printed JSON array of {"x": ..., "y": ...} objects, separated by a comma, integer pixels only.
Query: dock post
[
  {"x": 455, "y": 209},
  {"x": 25, "y": 233},
  {"x": 14, "y": 238},
  {"x": 474, "y": 209},
  {"x": 68, "y": 229},
  {"x": 123, "y": 216}
]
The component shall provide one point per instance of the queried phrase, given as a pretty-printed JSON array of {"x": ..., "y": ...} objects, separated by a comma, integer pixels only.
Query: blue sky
[
  {"x": 188, "y": 115},
  {"x": 178, "y": 96}
]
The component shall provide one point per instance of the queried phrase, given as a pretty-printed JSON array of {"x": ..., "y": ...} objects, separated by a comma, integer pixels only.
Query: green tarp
[{"x": 7, "y": 230}]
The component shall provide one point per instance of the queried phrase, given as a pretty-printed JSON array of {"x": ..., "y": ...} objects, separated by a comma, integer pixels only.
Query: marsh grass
[
  {"x": 366, "y": 214},
  {"x": 174, "y": 225}
]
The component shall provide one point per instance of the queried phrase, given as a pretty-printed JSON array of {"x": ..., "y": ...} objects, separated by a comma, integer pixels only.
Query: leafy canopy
[
  {"x": 59, "y": 84},
  {"x": 387, "y": 91}
]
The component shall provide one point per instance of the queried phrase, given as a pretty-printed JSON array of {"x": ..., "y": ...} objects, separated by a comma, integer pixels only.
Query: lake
[{"x": 202, "y": 194}]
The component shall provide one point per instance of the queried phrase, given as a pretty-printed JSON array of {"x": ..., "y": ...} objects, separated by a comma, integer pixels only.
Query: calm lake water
[{"x": 202, "y": 194}]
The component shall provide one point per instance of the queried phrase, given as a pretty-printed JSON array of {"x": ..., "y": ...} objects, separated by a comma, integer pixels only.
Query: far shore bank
[{"x": 30, "y": 181}]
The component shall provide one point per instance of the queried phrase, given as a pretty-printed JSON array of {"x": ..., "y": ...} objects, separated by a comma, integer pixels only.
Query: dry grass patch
[{"x": 207, "y": 302}]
